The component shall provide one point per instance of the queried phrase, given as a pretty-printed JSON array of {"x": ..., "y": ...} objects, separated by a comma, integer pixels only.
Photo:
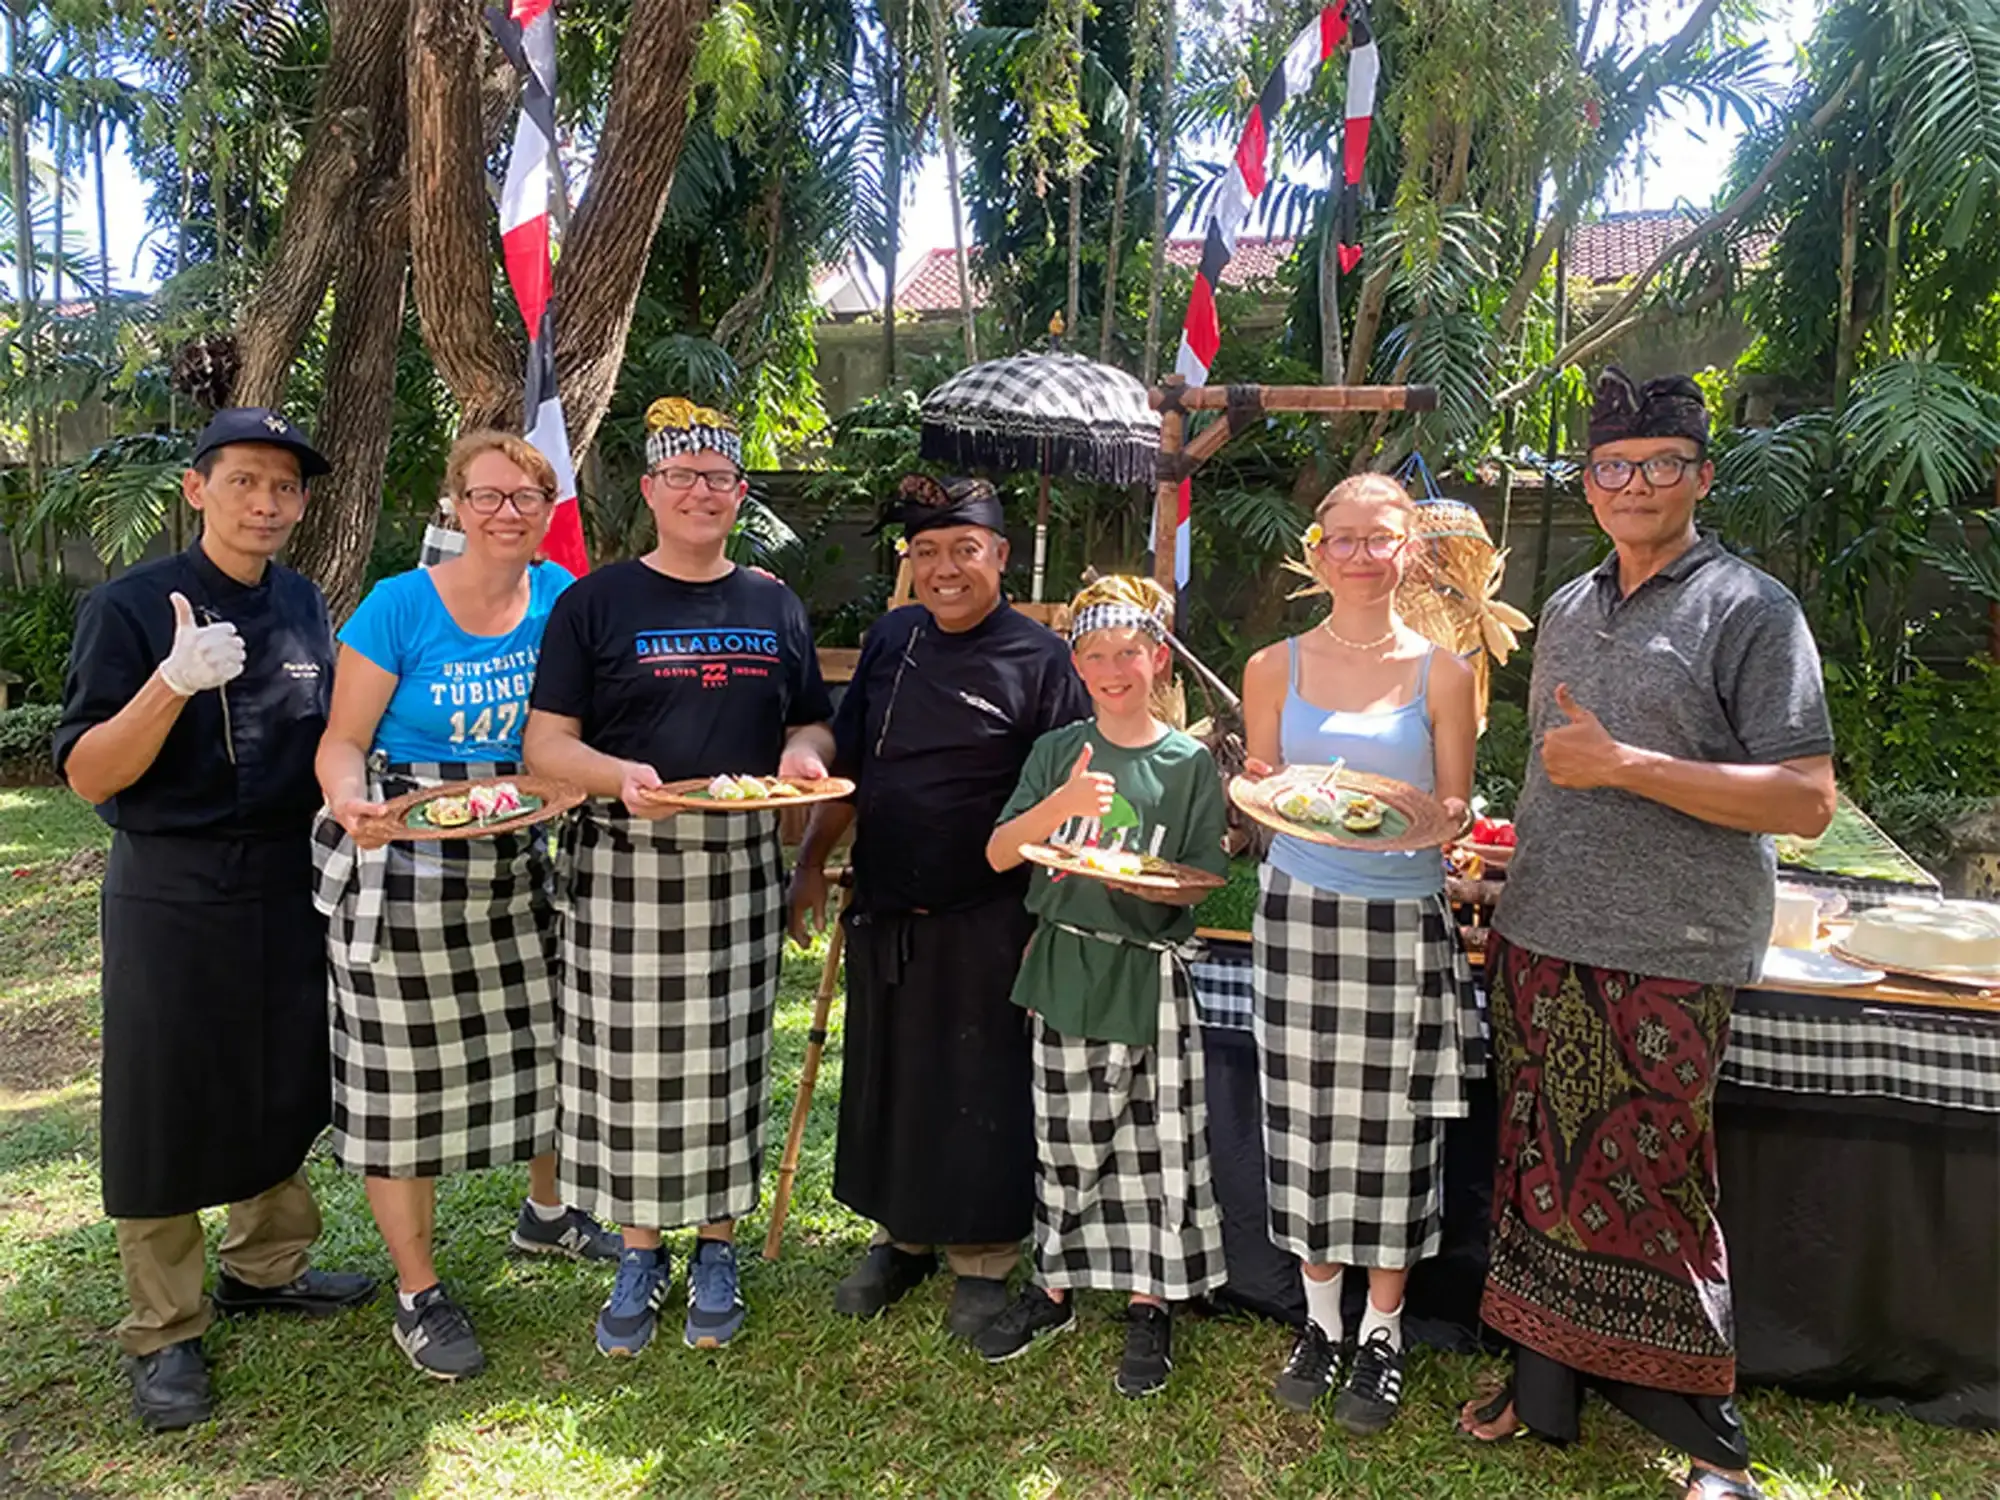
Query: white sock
[
  {"x": 1375, "y": 1318},
  {"x": 1323, "y": 1304},
  {"x": 409, "y": 1299},
  {"x": 548, "y": 1213}
]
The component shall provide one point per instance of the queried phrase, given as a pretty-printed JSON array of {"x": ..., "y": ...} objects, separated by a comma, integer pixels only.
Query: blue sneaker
[
  {"x": 715, "y": 1304},
  {"x": 631, "y": 1313},
  {"x": 575, "y": 1234}
]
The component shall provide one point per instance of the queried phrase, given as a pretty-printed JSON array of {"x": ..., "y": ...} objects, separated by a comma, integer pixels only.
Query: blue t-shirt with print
[{"x": 458, "y": 696}]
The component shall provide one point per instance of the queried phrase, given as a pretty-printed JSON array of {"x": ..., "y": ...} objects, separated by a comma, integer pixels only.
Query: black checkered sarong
[
  {"x": 1124, "y": 1196},
  {"x": 442, "y": 991},
  {"x": 1365, "y": 1010},
  {"x": 671, "y": 934}
]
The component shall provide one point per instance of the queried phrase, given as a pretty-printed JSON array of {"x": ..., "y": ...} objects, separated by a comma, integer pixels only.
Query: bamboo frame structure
[{"x": 1237, "y": 406}]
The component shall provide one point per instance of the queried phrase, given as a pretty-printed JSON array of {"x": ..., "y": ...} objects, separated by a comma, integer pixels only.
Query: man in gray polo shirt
[{"x": 1679, "y": 720}]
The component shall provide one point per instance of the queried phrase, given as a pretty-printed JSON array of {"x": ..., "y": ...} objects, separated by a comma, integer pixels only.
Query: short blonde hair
[{"x": 523, "y": 454}]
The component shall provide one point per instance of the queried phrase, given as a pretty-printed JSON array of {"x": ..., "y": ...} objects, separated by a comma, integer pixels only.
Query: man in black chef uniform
[
  {"x": 198, "y": 687},
  {"x": 936, "y": 1120}
]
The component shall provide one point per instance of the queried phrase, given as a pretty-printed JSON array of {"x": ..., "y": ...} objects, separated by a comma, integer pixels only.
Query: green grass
[{"x": 804, "y": 1404}]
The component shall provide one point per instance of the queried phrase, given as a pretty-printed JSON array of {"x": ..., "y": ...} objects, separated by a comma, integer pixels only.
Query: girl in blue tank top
[{"x": 1363, "y": 998}]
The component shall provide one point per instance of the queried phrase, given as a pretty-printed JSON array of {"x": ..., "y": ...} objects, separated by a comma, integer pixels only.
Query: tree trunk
[
  {"x": 357, "y": 412},
  {"x": 362, "y": 85},
  {"x": 1072, "y": 303},
  {"x": 1545, "y": 532},
  {"x": 24, "y": 253},
  {"x": 1843, "y": 337},
  {"x": 103, "y": 211},
  {"x": 1163, "y": 161},
  {"x": 611, "y": 234},
  {"x": 1127, "y": 144},
  {"x": 892, "y": 206},
  {"x": 1332, "y": 364},
  {"x": 451, "y": 256},
  {"x": 948, "y": 130}
]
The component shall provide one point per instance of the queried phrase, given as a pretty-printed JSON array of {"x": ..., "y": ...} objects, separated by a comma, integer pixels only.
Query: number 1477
[{"x": 482, "y": 729}]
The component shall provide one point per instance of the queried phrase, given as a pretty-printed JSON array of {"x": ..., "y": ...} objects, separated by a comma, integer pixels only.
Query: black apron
[
  {"x": 216, "y": 1075},
  {"x": 216, "y": 1078},
  {"x": 937, "y": 1130}
]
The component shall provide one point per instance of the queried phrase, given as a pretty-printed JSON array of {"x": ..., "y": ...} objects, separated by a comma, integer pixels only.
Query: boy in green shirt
[{"x": 1124, "y": 1196}]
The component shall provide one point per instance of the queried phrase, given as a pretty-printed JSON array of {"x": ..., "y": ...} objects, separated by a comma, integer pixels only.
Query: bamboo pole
[
  {"x": 1301, "y": 397},
  {"x": 788, "y": 1164},
  {"x": 1167, "y": 500}
]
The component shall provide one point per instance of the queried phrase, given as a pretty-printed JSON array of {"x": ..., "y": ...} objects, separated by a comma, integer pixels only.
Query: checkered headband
[
  {"x": 675, "y": 425},
  {"x": 1116, "y": 616}
]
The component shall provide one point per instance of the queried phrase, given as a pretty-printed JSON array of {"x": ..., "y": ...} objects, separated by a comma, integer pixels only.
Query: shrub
[
  {"x": 1503, "y": 756},
  {"x": 1925, "y": 735},
  {"x": 24, "y": 742},
  {"x": 36, "y": 624}
]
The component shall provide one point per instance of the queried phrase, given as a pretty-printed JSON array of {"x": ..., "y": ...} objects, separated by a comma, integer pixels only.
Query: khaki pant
[
  {"x": 165, "y": 1264},
  {"x": 993, "y": 1262}
]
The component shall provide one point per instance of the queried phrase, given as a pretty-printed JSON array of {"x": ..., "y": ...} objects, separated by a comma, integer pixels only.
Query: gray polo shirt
[{"x": 1707, "y": 660}]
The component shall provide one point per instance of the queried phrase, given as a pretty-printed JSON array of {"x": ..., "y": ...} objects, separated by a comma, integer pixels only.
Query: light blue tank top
[{"x": 1393, "y": 742}]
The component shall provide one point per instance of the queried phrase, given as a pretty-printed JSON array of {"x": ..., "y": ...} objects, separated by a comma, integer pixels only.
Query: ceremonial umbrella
[{"x": 1049, "y": 413}]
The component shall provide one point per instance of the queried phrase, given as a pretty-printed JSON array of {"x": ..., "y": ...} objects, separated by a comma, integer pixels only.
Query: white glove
[{"x": 203, "y": 656}]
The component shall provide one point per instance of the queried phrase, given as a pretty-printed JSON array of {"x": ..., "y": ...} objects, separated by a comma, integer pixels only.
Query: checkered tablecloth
[{"x": 1810, "y": 1044}]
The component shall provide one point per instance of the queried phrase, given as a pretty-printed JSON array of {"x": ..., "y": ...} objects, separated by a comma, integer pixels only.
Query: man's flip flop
[
  {"x": 1494, "y": 1409},
  {"x": 1707, "y": 1484}
]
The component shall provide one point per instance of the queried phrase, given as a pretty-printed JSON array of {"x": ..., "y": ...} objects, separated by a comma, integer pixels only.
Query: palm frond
[
  {"x": 1972, "y": 565},
  {"x": 1918, "y": 424},
  {"x": 1945, "y": 144}
]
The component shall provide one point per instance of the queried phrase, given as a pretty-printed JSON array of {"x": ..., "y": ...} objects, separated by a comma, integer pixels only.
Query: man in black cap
[
  {"x": 1679, "y": 719},
  {"x": 936, "y": 1118},
  {"x": 198, "y": 686}
]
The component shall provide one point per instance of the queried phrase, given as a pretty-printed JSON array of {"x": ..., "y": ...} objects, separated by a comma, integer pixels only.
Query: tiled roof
[
  {"x": 1618, "y": 247},
  {"x": 1605, "y": 251},
  {"x": 932, "y": 285}
]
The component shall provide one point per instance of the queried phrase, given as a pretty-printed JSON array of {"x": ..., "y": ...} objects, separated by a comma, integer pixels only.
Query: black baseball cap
[{"x": 259, "y": 424}]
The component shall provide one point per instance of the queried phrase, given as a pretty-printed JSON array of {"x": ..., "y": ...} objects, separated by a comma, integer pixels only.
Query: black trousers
[{"x": 1548, "y": 1398}]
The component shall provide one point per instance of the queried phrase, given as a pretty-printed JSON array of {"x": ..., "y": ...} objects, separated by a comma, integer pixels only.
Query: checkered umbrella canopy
[{"x": 1044, "y": 413}]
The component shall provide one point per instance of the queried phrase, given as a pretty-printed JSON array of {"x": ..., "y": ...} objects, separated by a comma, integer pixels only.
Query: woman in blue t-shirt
[
  {"x": 440, "y": 954},
  {"x": 1363, "y": 998}
]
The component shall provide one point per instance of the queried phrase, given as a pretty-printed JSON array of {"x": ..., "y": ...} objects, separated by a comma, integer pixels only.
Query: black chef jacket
[{"x": 934, "y": 730}]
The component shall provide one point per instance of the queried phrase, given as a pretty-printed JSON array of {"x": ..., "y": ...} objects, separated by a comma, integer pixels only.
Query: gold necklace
[{"x": 1375, "y": 645}]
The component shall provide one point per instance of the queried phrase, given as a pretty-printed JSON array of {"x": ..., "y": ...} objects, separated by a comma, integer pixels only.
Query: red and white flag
[
  {"x": 526, "y": 31},
  {"x": 1244, "y": 183}
]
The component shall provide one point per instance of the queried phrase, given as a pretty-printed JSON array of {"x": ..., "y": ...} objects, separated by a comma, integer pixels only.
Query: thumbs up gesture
[
  {"x": 1086, "y": 794},
  {"x": 1581, "y": 753},
  {"x": 202, "y": 656}
]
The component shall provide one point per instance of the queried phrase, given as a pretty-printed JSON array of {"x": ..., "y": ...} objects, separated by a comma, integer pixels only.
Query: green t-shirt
[{"x": 1082, "y": 986}]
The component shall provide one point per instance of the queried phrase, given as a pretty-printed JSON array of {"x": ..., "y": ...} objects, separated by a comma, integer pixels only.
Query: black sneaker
[
  {"x": 437, "y": 1336},
  {"x": 575, "y": 1234},
  {"x": 1031, "y": 1316},
  {"x": 1149, "y": 1350},
  {"x": 1374, "y": 1387},
  {"x": 170, "y": 1387},
  {"x": 885, "y": 1276},
  {"x": 1308, "y": 1374},
  {"x": 975, "y": 1302}
]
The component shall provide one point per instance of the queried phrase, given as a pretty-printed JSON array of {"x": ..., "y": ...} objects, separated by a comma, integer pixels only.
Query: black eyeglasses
[
  {"x": 487, "y": 502},
  {"x": 719, "y": 481},
  {"x": 1666, "y": 469}
]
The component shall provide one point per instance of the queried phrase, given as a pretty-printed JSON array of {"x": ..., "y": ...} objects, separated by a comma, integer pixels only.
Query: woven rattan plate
[
  {"x": 402, "y": 819},
  {"x": 692, "y": 795},
  {"x": 1419, "y": 822},
  {"x": 1162, "y": 879}
]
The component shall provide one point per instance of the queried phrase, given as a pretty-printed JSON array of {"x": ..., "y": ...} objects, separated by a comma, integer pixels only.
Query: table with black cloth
[{"x": 1860, "y": 1152}]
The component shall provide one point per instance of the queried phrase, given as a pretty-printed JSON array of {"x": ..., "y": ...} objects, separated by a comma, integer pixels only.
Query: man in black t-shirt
[
  {"x": 936, "y": 1117},
  {"x": 672, "y": 666}
]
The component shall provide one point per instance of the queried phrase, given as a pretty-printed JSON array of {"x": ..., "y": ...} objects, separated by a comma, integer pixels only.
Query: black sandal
[
  {"x": 1495, "y": 1408},
  {"x": 1707, "y": 1484}
]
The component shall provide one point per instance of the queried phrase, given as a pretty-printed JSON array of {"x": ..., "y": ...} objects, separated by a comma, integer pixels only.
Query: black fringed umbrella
[{"x": 1048, "y": 414}]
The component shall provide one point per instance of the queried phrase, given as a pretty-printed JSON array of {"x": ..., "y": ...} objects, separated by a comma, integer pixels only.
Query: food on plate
[
  {"x": 1307, "y": 805},
  {"x": 1464, "y": 863},
  {"x": 1121, "y": 862},
  {"x": 1943, "y": 937},
  {"x": 449, "y": 812},
  {"x": 500, "y": 800},
  {"x": 1361, "y": 813},
  {"x": 750, "y": 789},
  {"x": 1495, "y": 833}
]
